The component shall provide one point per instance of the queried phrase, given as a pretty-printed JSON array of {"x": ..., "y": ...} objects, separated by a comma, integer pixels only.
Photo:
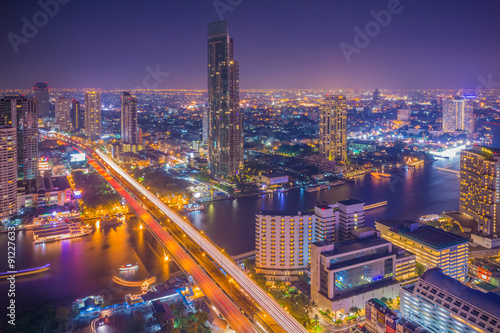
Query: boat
[
  {"x": 111, "y": 221},
  {"x": 283, "y": 190},
  {"x": 193, "y": 207},
  {"x": 25, "y": 271},
  {"x": 313, "y": 188},
  {"x": 337, "y": 182},
  {"x": 323, "y": 186},
  {"x": 53, "y": 232},
  {"x": 128, "y": 267}
]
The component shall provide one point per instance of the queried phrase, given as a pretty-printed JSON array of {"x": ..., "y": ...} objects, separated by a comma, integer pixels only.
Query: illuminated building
[
  {"x": 433, "y": 247},
  {"x": 77, "y": 116},
  {"x": 205, "y": 123},
  {"x": 333, "y": 129},
  {"x": 25, "y": 120},
  {"x": 346, "y": 274},
  {"x": 282, "y": 244},
  {"x": 274, "y": 178},
  {"x": 93, "y": 114},
  {"x": 480, "y": 187},
  {"x": 380, "y": 318},
  {"x": 443, "y": 304},
  {"x": 41, "y": 93},
  {"x": 458, "y": 114},
  {"x": 351, "y": 217},
  {"x": 63, "y": 113},
  {"x": 225, "y": 132},
  {"x": 43, "y": 191},
  {"x": 376, "y": 96},
  {"x": 8, "y": 160},
  {"x": 129, "y": 119}
]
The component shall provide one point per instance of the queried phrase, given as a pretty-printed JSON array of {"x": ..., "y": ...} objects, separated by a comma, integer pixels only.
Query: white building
[{"x": 458, "y": 114}]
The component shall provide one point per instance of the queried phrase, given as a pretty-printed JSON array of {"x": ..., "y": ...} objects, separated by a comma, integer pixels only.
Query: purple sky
[{"x": 280, "y": 44}]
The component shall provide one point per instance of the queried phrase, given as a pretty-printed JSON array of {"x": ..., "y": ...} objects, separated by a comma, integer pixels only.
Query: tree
[
  {"x": 62, "y": 315},
  {"x": 136, "y": 323},
  {"x": 355, "y": 310},
  {"x": 420, "y": 269}
]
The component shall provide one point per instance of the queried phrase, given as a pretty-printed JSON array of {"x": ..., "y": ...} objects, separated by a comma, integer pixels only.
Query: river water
[{"x": 85, "y": 266}]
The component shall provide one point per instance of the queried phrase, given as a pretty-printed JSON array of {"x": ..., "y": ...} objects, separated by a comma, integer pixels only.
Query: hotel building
[
  {"x": 442, "y": 304},
  {"x": 347, "y": 274},
  {"x": 63, "y": 113},
  {"x": 480, "y": 187},
  {"x": 433, "y": 247},
  {"x": 93, "y": 114},
  {"x": 333, "y": 129}
]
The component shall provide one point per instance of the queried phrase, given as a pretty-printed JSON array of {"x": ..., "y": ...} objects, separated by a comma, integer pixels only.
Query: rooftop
[
  {"x": 351, "y": 245},
  {"x": 350, "y": 202},
  {"x": 488, "y": 302},
  {"x": 285, "y": 213}
]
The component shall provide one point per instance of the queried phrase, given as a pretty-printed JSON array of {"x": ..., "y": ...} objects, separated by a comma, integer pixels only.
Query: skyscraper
[
  {"x": 77, "y": 116},
  {"x": 25, "y": 119},
  {"x": 376, "y": 96},
  {"x": 129, "y": 119},
  {"x": 225, "y": 132},
  {"x": 93, "y": 114},
  {"x": 205, "y": 124},
  {"x": 42, "y": 93},
  {"x": 8, "y": 159},
  {"x": 63, "y": 113},
  {"x": 480, "y": 187},
  {"x": 333, "y": 128},
  {"x": 458, "y": 114}
]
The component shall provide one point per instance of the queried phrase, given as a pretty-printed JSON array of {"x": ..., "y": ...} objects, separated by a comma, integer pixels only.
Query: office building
[
  {"x": 63, "y": 113},
  {"x": 41, "y": 93},
  {"x": 333, "y": 129},
  {"x": 225, "y": 132},
  {"x": 347, "y": 274},
  {"x": 458, "y": 114},
  {"x": 205, "y": 124},
  {"x": 380, "y": 319},
  {"x": 77, "y": 116},
  {"x": 480, "y": 187},
  {"x": 443, "y": 304},
  {"x": 93, "y": 114},
  {"x": 282, "y": 244},
  {"x": 129, "y": 119},
  {"x": 433, "y": 247},
  {"x": 8, "y": 159}
]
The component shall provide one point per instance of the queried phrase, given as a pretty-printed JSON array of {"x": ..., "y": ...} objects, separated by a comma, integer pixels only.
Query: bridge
[{"x": 125, "y": 184}]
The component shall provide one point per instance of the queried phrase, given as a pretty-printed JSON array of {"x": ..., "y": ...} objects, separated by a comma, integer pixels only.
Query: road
[{"x": 230, "y": 312}]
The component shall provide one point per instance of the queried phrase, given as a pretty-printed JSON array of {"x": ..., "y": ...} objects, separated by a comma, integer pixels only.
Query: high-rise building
[
  {"x": 205, "y": 124},
  {"x": 63, "y": 113},
  {"x": 376, "y": 96},
  {"x": 225, "y": 135},
  {"x": 41, "y": 92},
  {"x": 77, "y": 116},
  {"x": 93, "y": 114},
  {"x": 458, "y": 114},
  {"x": 8, "y": 159},
  {"x": 129, "y": 119},
  {"x": 347, "y": 274},
  {"x": 433, "y": 247},
  {"x": 333, "y": 129},
  {"x": 443, "y": 304},
  {"x": 480, "y": 187},
  {"x": 380, "y": 319}
]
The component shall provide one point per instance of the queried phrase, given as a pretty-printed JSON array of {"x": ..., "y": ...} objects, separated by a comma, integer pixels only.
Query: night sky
[{"x": 109, "y": 44}]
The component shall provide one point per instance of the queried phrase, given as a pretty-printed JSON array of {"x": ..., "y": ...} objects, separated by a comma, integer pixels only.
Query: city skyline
[{"x": 304, "y": 55}]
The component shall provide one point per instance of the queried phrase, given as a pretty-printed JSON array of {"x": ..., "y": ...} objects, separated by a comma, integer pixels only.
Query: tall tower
[
  {"x": 8, "y": 158},
  {"x": 77, "y": 116},
  {"x": 333, "y": 129},
  {"x": 63, "y": 113},
  {"x": 458, "y": 114},
  {"x": 42, "y": 93},
  {"x": 225, "y": 132},
  {"x": 480, "y": 187},
  {"x": 93, "y": 114},
  {"x": 25, "y": 119},
  {"x": 205, "y": 124},
  {"x": 129, "y": 119}
]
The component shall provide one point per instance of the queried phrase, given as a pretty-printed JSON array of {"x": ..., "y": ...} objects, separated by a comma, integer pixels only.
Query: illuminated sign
[
  {"x": 486, "y": 150},
  {"x": 78, "y": 194},
  {"x": 77, "y": 157}
]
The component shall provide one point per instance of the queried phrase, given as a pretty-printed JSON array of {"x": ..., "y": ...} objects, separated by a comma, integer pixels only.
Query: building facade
[
  {"x": 381, "y": 319},
  {"x": 225, "y": 132},
  {"x": 347, "y": 274},
  {"x": 41, "y": 93},
  {"x": 480, "y": 187},
  {"x": 8, "y": 159},
  {"x": 458, "y": 114},
  {"x": 93, "y": 114},
  {"x": 129, "y": 119},
  {"x": 443, "y": 304},
  {"x": 63, "y": 113},
  {"x": 333, "y": 129},
  {"x": 77, "y": 116},
  {"x": 433, "y": 247}
]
